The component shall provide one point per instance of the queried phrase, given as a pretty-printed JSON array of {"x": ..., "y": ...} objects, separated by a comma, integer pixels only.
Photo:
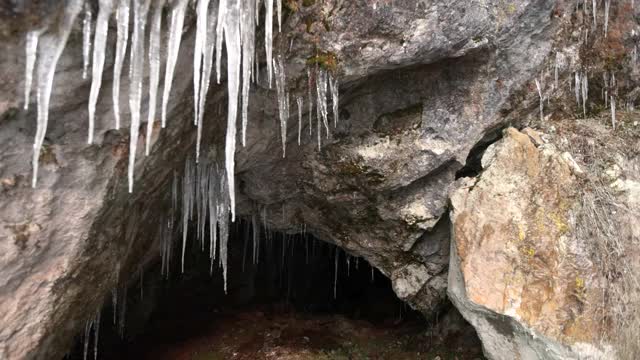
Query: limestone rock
[{"x": 517, "y": 271}]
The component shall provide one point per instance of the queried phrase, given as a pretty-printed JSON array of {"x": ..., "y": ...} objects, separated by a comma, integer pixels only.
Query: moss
[
  {"x": 561, "y": 223},
  {"x": 47, "y": 155},
  {"x": 292, "y": 5},
  {"x": 327, "y": 61},
  {"x": 9, "y": 115},
  {"x": 307, "y": 3}
]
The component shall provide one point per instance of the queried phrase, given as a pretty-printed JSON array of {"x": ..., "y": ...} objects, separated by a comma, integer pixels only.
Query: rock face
[
  {"x": 422, "y": 83},
  {"x": 518, "y": 272}
]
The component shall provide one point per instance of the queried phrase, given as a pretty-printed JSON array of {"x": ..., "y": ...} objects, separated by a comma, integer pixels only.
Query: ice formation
[
  {"x": 50, "y": 47},
  {"x": 207, "y": 188},
  {"x": 122, "y": 18},
  {"x": 155, "y": 37},
  {"x": 31, "y": 49},
  {"x": 140, "y": 10},
  {"x": 283, "y": 101},
  {"x": 229, "y": 23},
  {"x": 86, "y": 39},
  {"x": 299, "y": 103},
  {"x": 99, "y": 49},
  {"x": 173, "y": 47},
  {"x": 541, "y": 100}
]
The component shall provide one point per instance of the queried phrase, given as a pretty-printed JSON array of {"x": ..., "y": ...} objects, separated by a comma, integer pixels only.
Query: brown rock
[{"x": 517, "y": 273}]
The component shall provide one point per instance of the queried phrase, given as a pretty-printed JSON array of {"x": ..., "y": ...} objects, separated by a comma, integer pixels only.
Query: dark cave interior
[{"x": 296, "y": 282}]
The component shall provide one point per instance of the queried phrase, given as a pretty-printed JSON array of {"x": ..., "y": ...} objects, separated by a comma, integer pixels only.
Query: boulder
[{"x": 517, "y": 271}]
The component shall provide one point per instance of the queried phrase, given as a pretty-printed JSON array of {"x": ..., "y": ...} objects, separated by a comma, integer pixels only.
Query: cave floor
[{"x": 273, "y": 333}]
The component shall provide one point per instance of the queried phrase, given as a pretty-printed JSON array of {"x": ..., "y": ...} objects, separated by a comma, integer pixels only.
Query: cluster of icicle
[
  {"x": 580, "y": 85},
  {"x": 204, "y": 186},
  {"x": 95, "y": 324},
  {"x": 324, "y": 83},
  {"x": 231, "y": 23}
]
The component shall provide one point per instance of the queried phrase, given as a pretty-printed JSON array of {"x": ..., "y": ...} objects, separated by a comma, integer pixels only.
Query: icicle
[
  {"x": 223, "y": 221},
  {"x": 613, "y": 112},
  {"x": 335, "y": 93},
  {"x": 31, "y": 50},
  {"x": 87, "y": 338},
  {"x": 321, "y": 89},
  {"x": 86, "y": 39},
  {"x": 213, "y": 211},
  {"x": 299, "y": 102},
  {"x": 577, "y": 87},
  {"x": 256, "y": 238},
  {"x": 607, "y": 5},
  {"x": 541, "y": 100},
  {"x": 96, "y": 333},
  {"x": 201, "y": 41},
  {"x": 279, "y": 5},
  {"x": 155, "y": 36},
  {"x": 595, "y": 12},
  {"x": 140, "y": 10},
  {"x": 247, "y": 27},
  {"x": 585, "y": 93},
  {"x": 114, "y": 304},
  {"x": 187, "y": 194},
  {"x": 173, "y": 48},
  {"x": 310, "y": 95},
  {"x": 49, "y": 50},
  {"x": 281, "y": 83},
  {"x": 206, "y": 72},
  {"x": 122, "y": 17},
  {"x": 555, "y": 73},
  {"x": 99, "y": 48},
  {"x": 268, "y": 38},
  {"x": 232, "y": 36},
  {"x": 222, "y": 14},
  {"x": 123, "y": 313}
]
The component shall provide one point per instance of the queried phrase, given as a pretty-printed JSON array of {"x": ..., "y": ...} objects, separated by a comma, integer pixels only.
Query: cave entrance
[{"x": 288, "y": 297}]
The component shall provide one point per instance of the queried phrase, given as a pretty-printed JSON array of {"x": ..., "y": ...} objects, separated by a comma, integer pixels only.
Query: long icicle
[
  {"x": 299, "y": 102},
  {"x": 232, "y": 36},
  {"x": 31, "y": 52},
  {"x": 283, "y": 109},
  {"x": 99, "y": 48},
  {"x": 86, "y": 39},
  {"x": 202, "y": 10},
  {"x": 206, "y": 72},
  {"x": 279, "y": 6},
  {"x": 247, "y": 27},
  {"x": 155, "y": 36},
  {"x": 49, "y": 51},
  {"x": 141, "y": 8},
  {"x": 222, "y": 14},
  {"x": 335, "y": 99},
  {"x": 122, "y": 17},
  {"x": 173, "y": 48},
  {"x": 268, "y": 38},
  {"x": 310, "y": 95}
]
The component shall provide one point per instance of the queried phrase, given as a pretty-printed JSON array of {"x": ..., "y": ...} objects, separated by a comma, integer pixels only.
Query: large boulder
[{"x": 518, "y": 272}]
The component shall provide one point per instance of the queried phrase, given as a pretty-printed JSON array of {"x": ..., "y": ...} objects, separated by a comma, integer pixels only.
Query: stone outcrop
[{"x": 518, "y": 272}]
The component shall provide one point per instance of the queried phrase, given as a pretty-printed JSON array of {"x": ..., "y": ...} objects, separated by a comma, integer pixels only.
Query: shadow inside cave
[{"x": 288, "y": 297}]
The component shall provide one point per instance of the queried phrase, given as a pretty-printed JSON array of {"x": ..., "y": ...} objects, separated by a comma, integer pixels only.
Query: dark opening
[{"x": 298, "y": 298}]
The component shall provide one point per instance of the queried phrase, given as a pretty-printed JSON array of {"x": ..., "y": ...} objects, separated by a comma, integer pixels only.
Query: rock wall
[{"x": 422, "y": 82}]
